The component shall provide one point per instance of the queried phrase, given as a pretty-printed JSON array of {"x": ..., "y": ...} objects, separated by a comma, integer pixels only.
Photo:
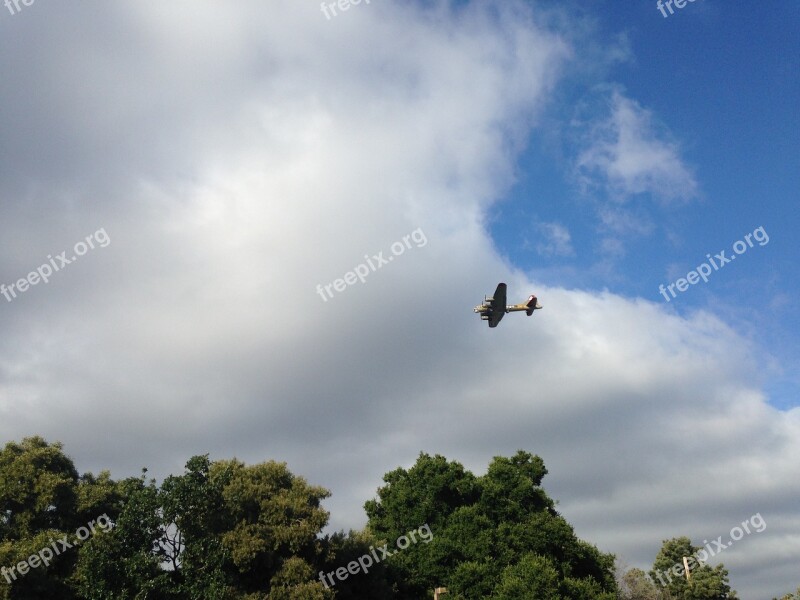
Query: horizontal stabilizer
[{"x": 532, "y": 304}]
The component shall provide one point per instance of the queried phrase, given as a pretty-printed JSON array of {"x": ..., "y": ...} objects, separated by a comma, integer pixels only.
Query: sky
[{"x": 258, "y": 230}]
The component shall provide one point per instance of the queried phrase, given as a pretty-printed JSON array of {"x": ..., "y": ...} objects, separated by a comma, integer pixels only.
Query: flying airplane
[{"x": 493, "y": 309}]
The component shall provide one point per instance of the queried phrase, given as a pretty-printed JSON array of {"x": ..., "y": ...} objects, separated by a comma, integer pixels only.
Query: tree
[
  {"x": 534, "y": 577},
  {"x": 790, "y": 596},
  {"x": 220, "y": 531},
  {"x": 42, "y": 500},
  {"x": 38, "y": 489},
  {"x": 252, "y": 529},
  {"x": 706, "y": 583},
  {"x": 635, "y": 584},
  {"x": 128, "y": 561},
  {"x": 340, "y": 550},
  {"x": 428, "y": 493},
  {"x": 489, "y": 532}
]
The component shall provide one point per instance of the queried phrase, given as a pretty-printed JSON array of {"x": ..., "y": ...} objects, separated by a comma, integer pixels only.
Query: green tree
[
  {"x": 222, "y": 530},
  {"x": 42, "y": 500},
  {"x": 472, "y": 580},
  {"x": 127, "y": 562},
  {"x": 483, "y": 529},
  {"x": 428, "y": 493},
  {"x": 38, "y": 489},
  {"x": 195, "y": 516},
  {"x": 790, "y": 596},
  {"x": 635, "y": 584},
  {"x": 533, "y": 577},
  {"x": 340, "y": 550},
  {"x": 706, "y": 582},
  {"x": 245, "y": 530}
]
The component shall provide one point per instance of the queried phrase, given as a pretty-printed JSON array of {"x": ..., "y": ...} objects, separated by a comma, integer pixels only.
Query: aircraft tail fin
[{"x": 532, "y": 304}]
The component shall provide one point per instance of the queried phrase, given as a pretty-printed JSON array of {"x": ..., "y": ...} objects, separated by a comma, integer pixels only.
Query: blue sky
[
  {"x": 589, "y": 152},
  {"x": 720, "y": 82}
]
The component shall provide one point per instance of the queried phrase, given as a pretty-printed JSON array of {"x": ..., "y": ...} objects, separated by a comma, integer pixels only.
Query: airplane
[{"x": 493, "y": 309}]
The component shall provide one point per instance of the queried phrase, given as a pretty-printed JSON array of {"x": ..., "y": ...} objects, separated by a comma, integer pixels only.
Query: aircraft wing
[{"x": 498, "y": 305}]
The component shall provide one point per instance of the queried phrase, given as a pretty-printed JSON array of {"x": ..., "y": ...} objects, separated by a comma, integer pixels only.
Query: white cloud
[
  {"x": 628, "y": 154},
  {"x": 626, "y": 222},
  {"x": 554, "y": 240}
]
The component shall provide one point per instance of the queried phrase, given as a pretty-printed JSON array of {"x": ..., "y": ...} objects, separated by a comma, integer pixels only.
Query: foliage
[
  {"x": 706, "y": 582},
  {"x": 534, "y": 577},
  {"x": 224, "y": 530},
  {"x": 221, "y": 530},
  {"x": 127, "y": 561},
  {"x": 635, "y": 584},
  {"x": 340, "y": 550},
  {"x": 42, "y": 499},
  {"x": 491, "y": 533},
  {"x": 38, "y": 489}
]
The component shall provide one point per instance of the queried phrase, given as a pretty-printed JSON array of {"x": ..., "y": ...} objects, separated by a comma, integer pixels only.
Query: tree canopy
[
  {"x": 224, "y": 530},
  {"x": 494, "y": 535}
]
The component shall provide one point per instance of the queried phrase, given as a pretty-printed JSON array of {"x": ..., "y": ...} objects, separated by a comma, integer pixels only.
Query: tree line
[{"x": 224, "y": 530}]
